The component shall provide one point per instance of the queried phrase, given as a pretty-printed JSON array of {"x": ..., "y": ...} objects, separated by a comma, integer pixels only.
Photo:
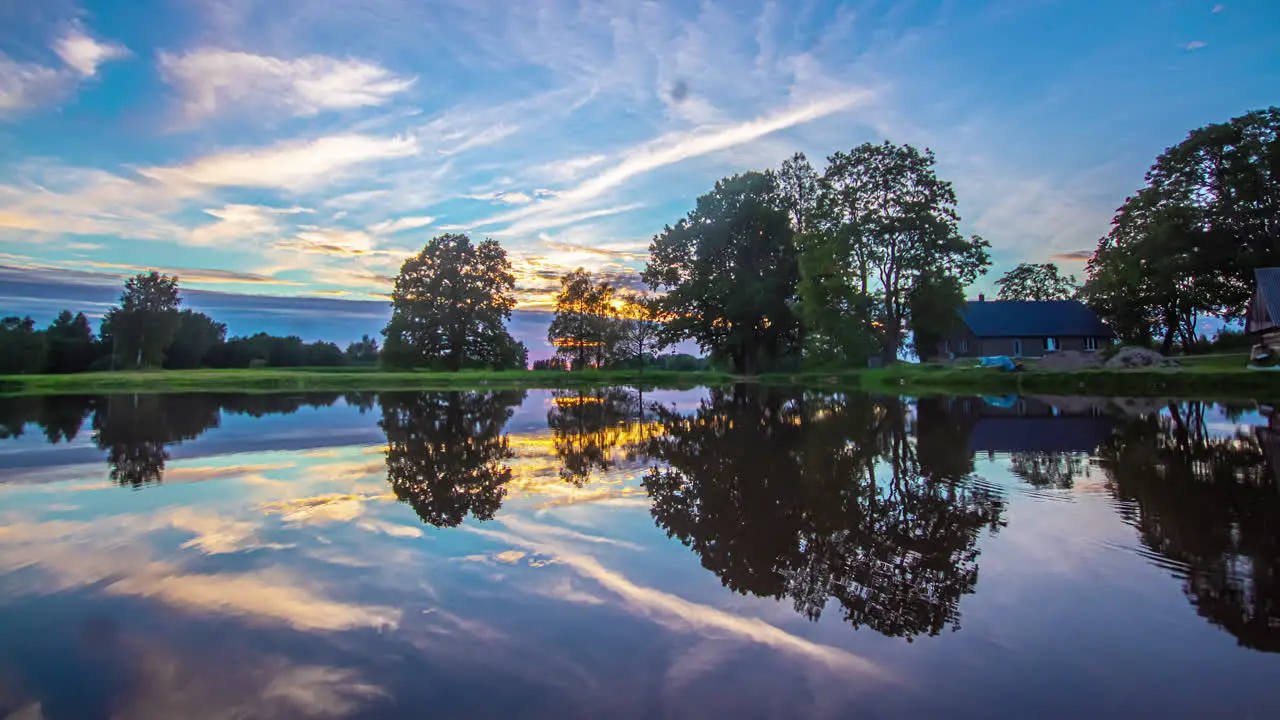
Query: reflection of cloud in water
[
  {"x": 667, "y": 609},
  {"x": 271, "y": 594},
  {"x": 335, "y": 507}
]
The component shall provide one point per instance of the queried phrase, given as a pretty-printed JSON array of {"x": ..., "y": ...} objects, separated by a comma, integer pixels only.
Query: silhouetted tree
[
  {"x": 363, "y": 352},
  {"x": 22, "y": 347},
  {"x": 134, "y": 430},
  {"x": 449, "y": 305},
  {"x": 197, "y": 334},
  {"x": 144, "y": 323},
  {"x": 71, "y": 346},
  {"x": 727, "y": 275},
  {"x": 1037, "y": 281}
]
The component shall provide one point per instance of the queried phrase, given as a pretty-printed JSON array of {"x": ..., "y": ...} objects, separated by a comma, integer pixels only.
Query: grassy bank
[
  {"x": 1218, "y": 377},
  {"x": 1210, "y": 377},
  {"x": 338, "y": 380}
]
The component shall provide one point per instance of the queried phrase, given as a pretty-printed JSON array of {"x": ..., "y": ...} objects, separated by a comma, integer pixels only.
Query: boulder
[{"x": 1136, "y": 357}]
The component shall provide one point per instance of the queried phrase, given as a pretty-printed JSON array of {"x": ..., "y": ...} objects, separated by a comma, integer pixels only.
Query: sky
[{"x": 299, "y": 149}]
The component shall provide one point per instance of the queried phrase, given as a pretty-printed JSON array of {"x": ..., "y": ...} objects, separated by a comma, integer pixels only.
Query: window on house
[
  {"x": 1050, "y": 344},
  {"x": 1017, "y": 348},
  {"x": 1091, "y": 343},
  {"x": 946, "y": 347}
]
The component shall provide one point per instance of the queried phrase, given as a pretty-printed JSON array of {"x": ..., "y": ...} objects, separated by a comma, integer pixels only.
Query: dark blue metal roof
[{"x": 1032, "y": 318}]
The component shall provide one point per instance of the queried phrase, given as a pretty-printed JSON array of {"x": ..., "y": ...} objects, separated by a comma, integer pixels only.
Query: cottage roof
[{"x": 1033, "y": 318}]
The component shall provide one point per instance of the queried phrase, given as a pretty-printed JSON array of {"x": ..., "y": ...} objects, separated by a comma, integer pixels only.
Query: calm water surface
[{"x": 728, "y": 553}]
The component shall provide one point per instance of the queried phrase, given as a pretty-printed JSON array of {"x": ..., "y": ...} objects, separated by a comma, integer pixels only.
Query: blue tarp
[{"x": 1000, "y": 361}]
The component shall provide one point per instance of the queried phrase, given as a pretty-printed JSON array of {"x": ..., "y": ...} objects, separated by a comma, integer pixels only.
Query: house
[
  {"x": 1264, "y": 307},
  {"x": 1025, "y": 328}
]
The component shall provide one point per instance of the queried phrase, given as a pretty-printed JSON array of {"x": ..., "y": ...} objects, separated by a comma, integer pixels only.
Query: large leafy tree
[
  {"x": 144, "y": 323},
  {"x": 197, "y": 334},
  {"x": 729, "y": 272},
  {"x": 1037, "y": 281},
  {"x": 894, "y": 221},
  {"x": 70, "y": 342},
  {"x": 582, "y": 329},
  {"x": 449, "y": 307},
  {"x": 1186, "y": 244}
]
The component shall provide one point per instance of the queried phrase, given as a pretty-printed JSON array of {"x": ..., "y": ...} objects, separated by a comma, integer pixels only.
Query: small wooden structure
[{"x": 1264, "y": 310}]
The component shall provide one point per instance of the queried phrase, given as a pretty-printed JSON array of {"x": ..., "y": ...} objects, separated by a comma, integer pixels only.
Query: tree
[
  {"x": 70, "y": 344},
  {"x": 798, "y": 186},
  {"x": 197, "y": 334},
  {"x": 1186, "y": 244},
  {"x": 638, "y": 330},
  {"x": 144, "y": 323},
  {"x": 325, "y": 354},
  {"x": 22, "y": 347},
  {"x": 895, "y": 220},
  {"x": 363, "y": 352},
  {"x": 449, "y": 305},
  {"x": 447, "y": 453},
  {"x": 933, "y": 306},
  {"x": 1155, "y": 272},
  {"x": 729, "y": 273},
  {"x": 1037, "y": 281},
  {"x": 582, "y": 330}
]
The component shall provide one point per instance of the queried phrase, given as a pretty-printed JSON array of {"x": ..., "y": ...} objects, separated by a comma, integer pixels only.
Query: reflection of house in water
[{"x": 1016, "y": 425}]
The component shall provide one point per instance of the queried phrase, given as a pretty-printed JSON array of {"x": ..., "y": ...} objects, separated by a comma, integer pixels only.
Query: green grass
[
  {"x": 337, "y": 379},
  {"x": 1200, "y": 377}
]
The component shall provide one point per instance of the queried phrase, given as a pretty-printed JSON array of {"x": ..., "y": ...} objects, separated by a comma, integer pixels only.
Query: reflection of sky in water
[{"x": 274, "y": 572}]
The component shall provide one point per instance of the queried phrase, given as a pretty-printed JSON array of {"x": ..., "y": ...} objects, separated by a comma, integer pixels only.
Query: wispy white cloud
[
  {"x": 1195, "y": 45},
  {"x": 290, "y": 165},
  {"x": 211, "y": 81},
  {"x": 240, "y": 222},
  {"x": 26, "y": 85},
  {"x": 84, "y": 54},
  {"x": 387, "y": 227},
  {"x": 1219, "y": 8},
  {"x": 676, "y": 147}
]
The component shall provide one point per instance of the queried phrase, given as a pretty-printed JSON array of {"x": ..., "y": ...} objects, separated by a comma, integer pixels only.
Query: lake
[{"x": 738, "y": 552}]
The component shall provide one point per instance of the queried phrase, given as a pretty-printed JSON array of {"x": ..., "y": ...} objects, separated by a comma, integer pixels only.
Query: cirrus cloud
[{"x": 211, "y": 81}]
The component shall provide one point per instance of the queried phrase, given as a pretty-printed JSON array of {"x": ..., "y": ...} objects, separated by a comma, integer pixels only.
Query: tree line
[
  {"x": 150, "y": 329},
  {"x": 769, "y": 270}
]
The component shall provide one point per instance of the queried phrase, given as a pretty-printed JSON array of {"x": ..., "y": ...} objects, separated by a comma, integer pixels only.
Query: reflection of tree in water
[
  {"x": 1210, "y": 503},
  {"x": 1053, "y": 470},
  {"x": 136, "y": 429},
  {"x": 589, "y": 425},
  {"x": 59, "y": 417},
  {"x": 446, "y": 452},
  {"x": 812, "y": 498}
]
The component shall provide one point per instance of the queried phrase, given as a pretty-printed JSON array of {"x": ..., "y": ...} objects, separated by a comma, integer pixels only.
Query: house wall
[{"x": 1031, "y": 346}]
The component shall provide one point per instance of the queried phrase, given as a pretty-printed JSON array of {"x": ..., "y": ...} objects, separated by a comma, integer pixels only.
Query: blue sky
[{"x": 289, "y": 147}]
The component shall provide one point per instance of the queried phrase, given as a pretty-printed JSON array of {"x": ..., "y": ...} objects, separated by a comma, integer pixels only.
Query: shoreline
[{"x": 1199, "y": 380}]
